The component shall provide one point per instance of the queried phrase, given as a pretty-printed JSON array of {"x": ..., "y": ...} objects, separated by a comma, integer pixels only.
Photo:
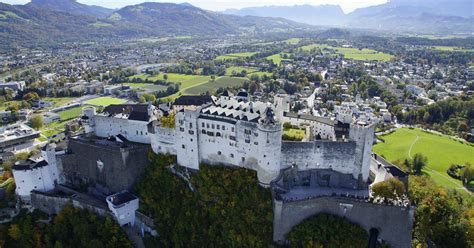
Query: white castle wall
[
  {"x": 41, "y": 179},
  {"x": 218, "y": 140},
  {"x": 163, "y": 141},
  {"x": 135, "y": 131}
]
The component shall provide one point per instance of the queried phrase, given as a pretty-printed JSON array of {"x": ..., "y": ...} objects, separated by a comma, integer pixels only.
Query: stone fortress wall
[
  {"x": 108, "y": 164},
  {"x": 393, "y": 223}
]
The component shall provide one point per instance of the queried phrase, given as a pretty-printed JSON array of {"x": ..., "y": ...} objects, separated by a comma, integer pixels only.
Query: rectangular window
[
  {"x": 247, "y": 141},
  {"x": 247, "y": 131},
  {"x": 223, "y": 127},
  {"x": 233, "y": 129},
  {"x": 190, "y": 125},
  {"x": 191, "y": 132},
  {"x": 255, "y": 143},
  {"x": 203, "y": 125},
  {"x": 183, "y": 146},
  {"x": 218, "y": 127},
  {"x": 181, "y": 129},
  {"x": 213, "y": 126},
  {"x": 232, "y": 155},
  {"x": 232, "y": 138}
]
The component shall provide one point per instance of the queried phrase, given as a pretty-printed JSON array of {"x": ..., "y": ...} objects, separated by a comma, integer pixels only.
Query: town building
[
  {"x": 14, "y": 85},
  {"x": 17, "y": 137}
]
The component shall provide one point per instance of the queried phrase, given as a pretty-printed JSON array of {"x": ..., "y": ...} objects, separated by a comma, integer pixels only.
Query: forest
[{"x": 70, "y": 228}]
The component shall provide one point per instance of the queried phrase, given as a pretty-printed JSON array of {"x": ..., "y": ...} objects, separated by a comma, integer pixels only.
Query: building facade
[{"x": 38, "y": 174}]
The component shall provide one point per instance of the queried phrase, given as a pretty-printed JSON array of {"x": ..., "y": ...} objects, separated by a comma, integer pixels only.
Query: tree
[
  {"x": 168, "y": 121},
  {"x": 165, "y": 77},
  {"x": 389, "y": 190},
  {"x": 467, "y": 174},
  {"x": 142, "y": 99},
  {"x": 463, "y": 127},
  {"x": 30, "y": 96},
  {"x": 36, "y": 122},
  {"x": 14, "y": 232},
  {"x": 419, "y": 161}
]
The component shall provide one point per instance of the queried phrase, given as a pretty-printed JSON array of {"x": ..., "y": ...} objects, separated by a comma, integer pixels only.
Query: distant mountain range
[
  {"x": 309, "y": 14},
  {"x": 45, "y": 21},
  {"x": 427, "y": 16},
  {"x": 72, "y": 7}
]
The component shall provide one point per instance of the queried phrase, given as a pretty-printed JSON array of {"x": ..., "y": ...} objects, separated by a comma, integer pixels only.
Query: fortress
[
  {"x": 329, "y": 171},
  {"x": 244, "y": 134}
]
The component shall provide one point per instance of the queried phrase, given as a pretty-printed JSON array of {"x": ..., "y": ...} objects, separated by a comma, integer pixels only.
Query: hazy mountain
[
  {"x": 72, "y": 7},
  {"x": 172, "y": 18},
  {"x": 33, "y": 25},
  {"x": 309, "y": 14},
  {"x": 427, "y": 16}
]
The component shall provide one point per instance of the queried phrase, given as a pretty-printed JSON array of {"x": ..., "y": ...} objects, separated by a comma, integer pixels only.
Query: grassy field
[
  {"x": 308, "y": 48},
  {"x": 145, "y": 86},
  {"x": 105, "y": 101},
  {"x": 452, "y": 49},
  {"x": 293, "y": 41},
  {"x": 57, "y": 127},
  {"x": 277, "y": 58},
  {"x": 250, "y": 71},
  {"x": 198, "y": 84},
  {"x": 441, "y": 37},
  {"x": 220, "y": 82},
  {"x": 352, "y": 53},
  {"x": 58, "y": 101},
  {"x": 239, "y": 69},
  {"x": 185, "y": 81},
  {"x": 235, "y": 56},
  {"x": 70, "y": 113},
  {"x": 441, "y": 151}
]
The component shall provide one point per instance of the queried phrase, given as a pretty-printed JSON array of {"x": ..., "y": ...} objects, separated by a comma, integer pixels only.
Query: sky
[{"x": 218, "y": 5}]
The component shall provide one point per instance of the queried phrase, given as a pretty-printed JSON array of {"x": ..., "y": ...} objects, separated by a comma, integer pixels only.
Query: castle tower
[
  {"x": 187, "y": 145},
  {"x": 363, "y": 134},
  {"x": 282, "y": 104},
  {"x": 49, "y": 155},
  {"x": 88, "y": 119},
  {"x": 269, "y": 139}
]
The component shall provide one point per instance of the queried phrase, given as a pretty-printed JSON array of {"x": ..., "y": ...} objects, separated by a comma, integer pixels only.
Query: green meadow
[
  {"x": 232, "y": 56},
  {"x": 452, "y": 49},
  {"x": 105, "y": 101},
  {"x": 352, "y": 53},
  {"x": 441, "y": 151},
  {"x": 185, "y": 81},
  {"x": 278, "y": 58},
  {"x": 250, "y": 71},
  {"x": 211, "y": 86},
  {"x": 145, "y": 86}
]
